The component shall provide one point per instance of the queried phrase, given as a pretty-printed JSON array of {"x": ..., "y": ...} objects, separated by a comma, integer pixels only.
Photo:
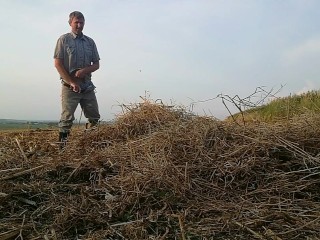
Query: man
[{"x": 75, "y": 58}]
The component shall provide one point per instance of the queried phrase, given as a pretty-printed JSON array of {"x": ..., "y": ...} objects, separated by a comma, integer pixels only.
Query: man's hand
[
  {"x": 81, "y": 73},
  {"x": 75, "y": 87}
]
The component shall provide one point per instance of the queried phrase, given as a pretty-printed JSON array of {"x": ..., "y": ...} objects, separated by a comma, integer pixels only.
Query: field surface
[
  {"x": 11, "y": 124},
  {"x": 158, "y": 172}
]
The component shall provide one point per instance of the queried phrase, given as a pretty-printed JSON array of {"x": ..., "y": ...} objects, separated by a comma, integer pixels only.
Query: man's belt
[{"x": 66, "y": 84}]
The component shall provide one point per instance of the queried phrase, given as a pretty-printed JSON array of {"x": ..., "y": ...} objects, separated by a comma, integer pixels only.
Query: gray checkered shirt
[{"x": 76, "y": 52}]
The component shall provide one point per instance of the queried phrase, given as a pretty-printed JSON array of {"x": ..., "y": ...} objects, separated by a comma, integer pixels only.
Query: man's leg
[
  {"x": 90, "y": 107},
  {"x": 69, "y": 103}
]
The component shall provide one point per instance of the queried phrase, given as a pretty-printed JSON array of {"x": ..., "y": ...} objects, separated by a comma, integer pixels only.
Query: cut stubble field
[{"x": 159, "y": 172}]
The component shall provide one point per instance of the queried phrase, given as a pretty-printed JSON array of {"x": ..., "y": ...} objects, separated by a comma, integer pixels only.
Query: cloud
[
  {"x": 306, "y": 50},
  {"x": 309, "y": 86}
]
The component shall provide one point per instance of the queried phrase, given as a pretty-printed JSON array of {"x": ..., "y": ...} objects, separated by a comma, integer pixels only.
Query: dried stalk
[{"x": 22, "y": 173}]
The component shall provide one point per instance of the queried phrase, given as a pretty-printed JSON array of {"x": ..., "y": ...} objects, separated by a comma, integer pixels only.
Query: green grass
[
  {"x": 25, "y": 126},
  {"x": 286, "y": 107}
]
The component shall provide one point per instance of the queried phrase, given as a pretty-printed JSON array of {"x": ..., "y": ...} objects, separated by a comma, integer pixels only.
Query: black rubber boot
[{"x": 63, "y": 138}]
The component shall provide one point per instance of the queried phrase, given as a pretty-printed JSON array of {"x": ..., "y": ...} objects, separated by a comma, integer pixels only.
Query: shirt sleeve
[
  {"x": 95, "y": 55},
  {"x": 58, "y": 52}
]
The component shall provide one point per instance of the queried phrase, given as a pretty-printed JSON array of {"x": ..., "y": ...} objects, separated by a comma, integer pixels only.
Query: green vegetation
[
  {"x": 11, "y": 124},
  {"x": 285, "y": 108}
]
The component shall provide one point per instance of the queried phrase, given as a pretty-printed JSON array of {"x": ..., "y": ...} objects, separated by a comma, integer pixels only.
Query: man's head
[{"x": 76, "y": 21}]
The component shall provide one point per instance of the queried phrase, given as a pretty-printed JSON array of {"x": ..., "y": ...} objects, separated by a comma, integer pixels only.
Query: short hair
[{"x": 75, "y": 14}]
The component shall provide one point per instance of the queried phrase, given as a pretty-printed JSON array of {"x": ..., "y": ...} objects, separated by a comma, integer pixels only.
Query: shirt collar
[{"x": 76, "y": 36}]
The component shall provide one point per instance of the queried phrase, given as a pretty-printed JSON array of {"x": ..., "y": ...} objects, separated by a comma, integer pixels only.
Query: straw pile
[{"x": 161, "y": 173}]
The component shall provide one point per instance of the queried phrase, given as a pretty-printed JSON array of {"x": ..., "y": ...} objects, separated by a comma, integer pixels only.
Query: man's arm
[
  {"x": 87, "y": 70},
  {"x": 65, "y": 76}
]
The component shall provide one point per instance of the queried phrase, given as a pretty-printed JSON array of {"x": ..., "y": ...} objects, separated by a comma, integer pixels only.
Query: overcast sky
[{"x": 177, "y": 51}]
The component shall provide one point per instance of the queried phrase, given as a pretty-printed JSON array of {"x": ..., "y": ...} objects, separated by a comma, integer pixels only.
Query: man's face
[{"x": 77, "y": 25}]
